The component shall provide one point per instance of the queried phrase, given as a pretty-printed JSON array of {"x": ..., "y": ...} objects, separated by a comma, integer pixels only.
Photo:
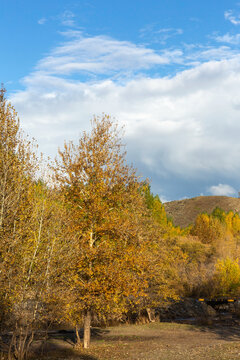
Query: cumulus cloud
[
  {"x": 179, "y": 130},
  {"x": 222, "y": 189}
]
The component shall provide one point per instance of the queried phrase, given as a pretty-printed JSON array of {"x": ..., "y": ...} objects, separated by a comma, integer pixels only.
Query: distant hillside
[{"x": 184, "y": 212}]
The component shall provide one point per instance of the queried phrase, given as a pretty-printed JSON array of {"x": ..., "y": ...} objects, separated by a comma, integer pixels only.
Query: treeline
[{"x": 85, "y": 237}]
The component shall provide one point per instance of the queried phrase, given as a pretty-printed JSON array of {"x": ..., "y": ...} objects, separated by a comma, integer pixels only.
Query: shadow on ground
[
  {"x": 61, "y": 345},
  {"x": 226, "y": 327},
  {"x": 224, "y": 332},
  {"x": 70, "y": 335}
]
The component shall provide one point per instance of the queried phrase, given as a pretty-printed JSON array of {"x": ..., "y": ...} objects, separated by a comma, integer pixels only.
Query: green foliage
[
  {"x": 219, "y": 214},
  {"x": 155, "y": 206},
  {"x": 158, "y": 214}
]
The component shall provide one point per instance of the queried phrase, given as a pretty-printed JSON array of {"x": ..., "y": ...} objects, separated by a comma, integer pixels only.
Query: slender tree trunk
[
  {"x": 37, "y": 244},
  {"x": 87, "y": 314},
  {"x": 151, "y": 314},
  {"x": 78, "y": 343},
  {"x": 87, "y": 329},
  {"x": 3, "y": 200}
]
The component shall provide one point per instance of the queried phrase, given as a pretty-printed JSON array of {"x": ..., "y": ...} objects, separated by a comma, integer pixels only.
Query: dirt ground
[{"x": 155, "y": 341}]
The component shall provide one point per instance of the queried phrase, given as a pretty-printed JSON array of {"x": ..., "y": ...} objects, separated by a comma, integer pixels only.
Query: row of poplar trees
[{"x": 84, "y": 241}]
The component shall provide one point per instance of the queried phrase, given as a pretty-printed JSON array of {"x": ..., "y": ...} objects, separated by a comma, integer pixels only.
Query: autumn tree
[
  {"x": 211, "y": 230},
  {"x": 16, "y": 170},
  {"x": 163, "y": 253},
  {"x": 225, "y": 279},
  {"x": 28, "y": 234},
  {"x": 104, "y": 237},
  {"x": 16, "y": 179}
]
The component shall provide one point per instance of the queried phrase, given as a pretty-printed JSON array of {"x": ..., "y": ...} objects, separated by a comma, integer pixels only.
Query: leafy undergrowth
[{"x": 157, "y": 341}]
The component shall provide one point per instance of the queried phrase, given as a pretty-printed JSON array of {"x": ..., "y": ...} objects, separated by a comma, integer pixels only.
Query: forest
[{"x": 84, "y": 240}]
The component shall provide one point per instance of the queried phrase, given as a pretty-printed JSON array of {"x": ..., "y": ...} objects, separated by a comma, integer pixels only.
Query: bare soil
[
  {"x": 155, "y": 341},
  {"x": 184, "y": 212}
]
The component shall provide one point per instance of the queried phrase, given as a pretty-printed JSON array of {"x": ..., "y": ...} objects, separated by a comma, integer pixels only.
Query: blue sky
[
  {"x": 30, "y": 29},
  {"x": 168, "y": 70}
]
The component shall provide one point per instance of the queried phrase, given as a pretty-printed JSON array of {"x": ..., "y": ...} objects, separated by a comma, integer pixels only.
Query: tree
[
  {"x": 28, "y": 237},
  {"x": 156, "y": 208},
  {"x": 163, "y": 253},
  {"x": 209, "y": 229},
  {"x": 17, "y": 165},
  {"x": 104, "y": 234},
  {"x": 225, "y": 280}
]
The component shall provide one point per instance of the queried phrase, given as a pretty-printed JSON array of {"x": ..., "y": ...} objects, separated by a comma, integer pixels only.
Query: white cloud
[
  {"x": 180, "y": 128},
  {"x": 184, "y": 124},
  {"x": 68, "y": 18},
  {"x": 163, "y": 199},
  {"x": 165, "y": 34},
  {"x": 201, "y": 54},
  {"x": 101, "y": 55},
  {"x": 154, "y": 34},
  {"x": 170, "y": 31},
  {"x": 234, "y": 19},
  {"x": 229, "y": 39},
  {"x": 42, "y": 21},
  {"x": 222, "y": 189}
]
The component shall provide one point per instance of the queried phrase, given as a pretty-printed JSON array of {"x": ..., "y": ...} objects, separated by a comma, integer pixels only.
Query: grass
[{"x": 156, "y": 341}]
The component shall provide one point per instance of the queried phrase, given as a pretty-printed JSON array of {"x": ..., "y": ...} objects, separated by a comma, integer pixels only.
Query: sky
[{"x": 169, "y": 71}]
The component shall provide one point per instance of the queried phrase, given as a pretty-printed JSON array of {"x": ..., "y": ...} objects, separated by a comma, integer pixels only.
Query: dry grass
[
  {"x": 157, "y": 341},
  {"x": 184, "y": 212}
]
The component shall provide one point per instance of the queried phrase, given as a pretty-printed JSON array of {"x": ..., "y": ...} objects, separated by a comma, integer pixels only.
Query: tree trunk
[
  {"x": 87, "y": 329},
  {"x": 78, "y": 343},
  {"x": 151, "y": 314}
]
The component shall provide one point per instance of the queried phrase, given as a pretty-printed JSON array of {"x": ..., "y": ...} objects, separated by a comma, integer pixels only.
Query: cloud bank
[{"x": 181, "y": 131}]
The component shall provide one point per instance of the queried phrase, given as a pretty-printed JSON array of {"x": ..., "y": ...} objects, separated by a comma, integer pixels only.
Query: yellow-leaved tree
[
  {"x": 29, "y": 233},
  {"x": 17, "y": 167},
  {"x": 105, "y": 241},
  {"x": 226, "y": 279}
]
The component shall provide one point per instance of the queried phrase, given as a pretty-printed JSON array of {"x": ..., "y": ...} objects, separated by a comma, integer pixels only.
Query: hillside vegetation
[{"x": 184, "y": 212}]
